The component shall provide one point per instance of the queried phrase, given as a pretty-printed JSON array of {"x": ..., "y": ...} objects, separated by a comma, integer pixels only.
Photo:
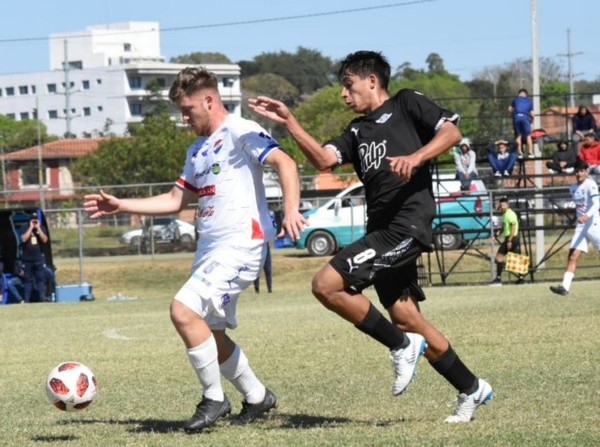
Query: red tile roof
[{"x": 66, "y": 148}]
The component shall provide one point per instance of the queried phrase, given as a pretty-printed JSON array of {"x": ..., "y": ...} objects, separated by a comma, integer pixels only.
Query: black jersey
[{"x": 400, "y": 126}]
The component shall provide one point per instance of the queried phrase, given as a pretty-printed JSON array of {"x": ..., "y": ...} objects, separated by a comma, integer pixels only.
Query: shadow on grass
[
  {"x": 54, "y": 438},
  {"x": 275, "y": 421}
]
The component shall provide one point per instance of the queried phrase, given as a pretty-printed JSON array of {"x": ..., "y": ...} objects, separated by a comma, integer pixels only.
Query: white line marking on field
[{"x": 113, "y": 334}]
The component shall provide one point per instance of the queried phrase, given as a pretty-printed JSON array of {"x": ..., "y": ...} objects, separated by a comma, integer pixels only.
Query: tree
[
  {"x": 200, "y": 58},
  {"x": 15, "y": 135},
  {"x": 435, "y": 63},
  {"x": 308, "y": 70},
  {"x": 154, "y": 155}
]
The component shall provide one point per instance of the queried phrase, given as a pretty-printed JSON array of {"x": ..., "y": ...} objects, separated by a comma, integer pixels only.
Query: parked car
[
  {"x": 459, "y": 217},
  {"x": 165, "y": 229}
]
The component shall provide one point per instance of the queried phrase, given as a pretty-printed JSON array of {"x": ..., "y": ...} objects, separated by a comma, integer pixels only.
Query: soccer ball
[{"x": 71, "y": 386}]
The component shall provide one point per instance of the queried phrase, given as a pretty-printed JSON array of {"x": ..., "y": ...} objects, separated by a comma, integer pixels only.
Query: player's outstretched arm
[
  {"x": 101, "y": 204},
  {"x": 278, "y": 112}
]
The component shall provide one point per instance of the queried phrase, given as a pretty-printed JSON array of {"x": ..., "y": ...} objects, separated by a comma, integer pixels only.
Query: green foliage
[
  {"x": 154, "y": 155},
  {"x": 308, "y": 70},
  {"x": 324, "y": 114},
  {"x": 200, "y": 58},
  {"x": 272, "y": 85},
  {"x": 15, "y": 135}
]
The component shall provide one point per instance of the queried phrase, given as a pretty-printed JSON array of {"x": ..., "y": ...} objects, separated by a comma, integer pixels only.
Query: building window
[
  {"x": 33, "y": 89},
  {"x": 100, "y": 108},
  {"x": 228, "y": 82},
  {"x": 34, "y": 114},
  {"x": 10, "y": 116},
  {"x": 29, "y": 174},
  {"x": 10, "y": 91},
  {"x": 51, "y": 88},
  {"x": 0, "y": 92},
  {"x": 24, "y": 115},
  {"x": 126, "y": 46},
  {"x": 52, "y": 114},
  {"x": 85, "y": 84},
  {"x": 87, "y": 111},
  {"x": 71, "y": 84},
  {"x": 135, "y": 82},
  {"x": 161, "y": 82},
  {"x": 136, "y": 109},
  {"x": 99, "y": 81},
  {"x": 23, "y": 90}
]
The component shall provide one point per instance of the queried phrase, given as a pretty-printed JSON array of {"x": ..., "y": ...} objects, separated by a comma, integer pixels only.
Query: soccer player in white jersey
[
  {"x": 587, "y": 229},
  {"x": 223, "y": 172}
]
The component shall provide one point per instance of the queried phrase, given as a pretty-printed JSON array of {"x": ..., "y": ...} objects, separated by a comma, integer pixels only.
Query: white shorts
[
  {"x": 586, "y": 234},
  {"x": 218, "y": 277}
]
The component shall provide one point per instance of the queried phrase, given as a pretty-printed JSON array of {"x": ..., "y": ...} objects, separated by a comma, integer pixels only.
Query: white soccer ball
[{"x": 71, "y": 386}]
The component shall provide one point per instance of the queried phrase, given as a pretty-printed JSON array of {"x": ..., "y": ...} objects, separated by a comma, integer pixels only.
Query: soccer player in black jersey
[{"x": 390, "y": 145}]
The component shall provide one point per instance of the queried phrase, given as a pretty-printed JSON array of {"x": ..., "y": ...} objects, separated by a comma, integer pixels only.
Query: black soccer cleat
[
  {"x": 559, "y": 290},
  {"x": 207, "y": 412},
  {"x": 251, "y": 412}
]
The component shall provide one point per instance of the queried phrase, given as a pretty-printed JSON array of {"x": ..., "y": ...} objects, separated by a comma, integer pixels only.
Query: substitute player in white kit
[
  {"x": 587, "y": 230},
  {"x": 223, "y": 172}
]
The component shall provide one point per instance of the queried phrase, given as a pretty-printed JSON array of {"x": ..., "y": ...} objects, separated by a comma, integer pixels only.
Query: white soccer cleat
[
  {"x": 467, "y": 404},
  {"x": 404, "y": 362}
]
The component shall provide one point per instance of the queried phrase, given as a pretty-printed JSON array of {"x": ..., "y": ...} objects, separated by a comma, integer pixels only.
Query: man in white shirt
[
  {"x": 587, "y": 229},
  {"x": 223, "y": 172}
]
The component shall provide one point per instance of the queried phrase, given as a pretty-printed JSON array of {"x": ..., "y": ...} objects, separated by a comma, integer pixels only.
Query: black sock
[
  {"x": 499, "y": 269},
  {"x": 378, "y": 327},
  {"x": 454, "y": 371}
]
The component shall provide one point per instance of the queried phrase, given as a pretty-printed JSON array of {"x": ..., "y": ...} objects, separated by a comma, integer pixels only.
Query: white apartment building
[{"x": 103, "y": 87}]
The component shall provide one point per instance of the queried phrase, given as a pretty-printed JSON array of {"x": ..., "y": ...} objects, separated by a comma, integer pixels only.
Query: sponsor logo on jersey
[
  {"x": 371, "y": 155},
  {"x": 383, "y": 118},
  {"x": 215, "y": 148},
  {"x": 225, "y": 299},
  {"x": 205, "y": 212},
  {"x": 214, "y": 169},
  {"x": 208, "y": 190}
]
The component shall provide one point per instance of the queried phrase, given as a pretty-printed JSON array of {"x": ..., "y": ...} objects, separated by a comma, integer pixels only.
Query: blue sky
[{"x": 468, "y": 34}]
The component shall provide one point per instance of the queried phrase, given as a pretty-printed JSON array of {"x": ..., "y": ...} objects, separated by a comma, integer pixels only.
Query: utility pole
[
  {"x": 67, "y": 90},
  {"x": 569, "y": 55},
  {"x": 39, "y": 157}
]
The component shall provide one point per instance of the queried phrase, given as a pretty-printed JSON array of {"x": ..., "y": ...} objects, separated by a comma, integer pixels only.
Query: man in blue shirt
[{"x": 521, "y": 108}]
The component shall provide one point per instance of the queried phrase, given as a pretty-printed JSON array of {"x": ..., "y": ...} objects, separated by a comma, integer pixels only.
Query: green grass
[{"x": 539, "y": 351}]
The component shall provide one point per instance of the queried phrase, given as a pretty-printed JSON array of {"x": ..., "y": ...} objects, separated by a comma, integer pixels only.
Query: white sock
[
  {"x": 204, "y": 360},
  {"x": 567, "y": 280},
  {"x": 237, "y": 370}
]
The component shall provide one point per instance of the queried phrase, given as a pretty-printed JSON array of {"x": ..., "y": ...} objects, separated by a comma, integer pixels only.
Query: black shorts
[
  {"x": 515, "y": 247},
  {"x": 384, "y": 259}
]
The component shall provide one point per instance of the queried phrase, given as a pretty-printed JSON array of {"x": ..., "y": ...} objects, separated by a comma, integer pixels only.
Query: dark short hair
[
  {"x": 580, "y": 165},
  {"x": 522, "y": 90},
  {"x": 503, "y": 199},
  {"x": 364, "y": 63}
]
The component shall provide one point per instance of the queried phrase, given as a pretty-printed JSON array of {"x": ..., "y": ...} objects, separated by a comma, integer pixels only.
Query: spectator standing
[
  {"x": 521, "y": 108},
  {"x": 32, "y": 256},
  {"x": 563, "y": 159},
  {"x": 465, "y": 159},
  {"x": 587, "y": 229},
  {"x": 590, "y": 152},
  {"x": 583, "y": 122},
  {"x": 510, "y": 231},
  {"x": 501, "y": 159}
]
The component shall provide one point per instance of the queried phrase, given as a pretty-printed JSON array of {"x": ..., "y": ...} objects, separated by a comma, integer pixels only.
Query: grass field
[{"x": 539, "y": 351}]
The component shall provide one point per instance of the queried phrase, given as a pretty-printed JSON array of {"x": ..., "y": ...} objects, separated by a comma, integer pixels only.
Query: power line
[{"x": 236, "y": 23}]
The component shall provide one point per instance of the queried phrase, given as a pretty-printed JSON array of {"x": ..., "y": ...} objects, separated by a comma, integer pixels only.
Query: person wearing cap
[
  {"x": 587, "y": 229},
  {"x": 465, "y": 158},
  {"x": 32, "y": 257},
  {"x": 501, "y": 160},
  {"x": 521, "y": 108},
  {"x": 590, "y": 152},
  {"x": 563, "y": 159}
]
